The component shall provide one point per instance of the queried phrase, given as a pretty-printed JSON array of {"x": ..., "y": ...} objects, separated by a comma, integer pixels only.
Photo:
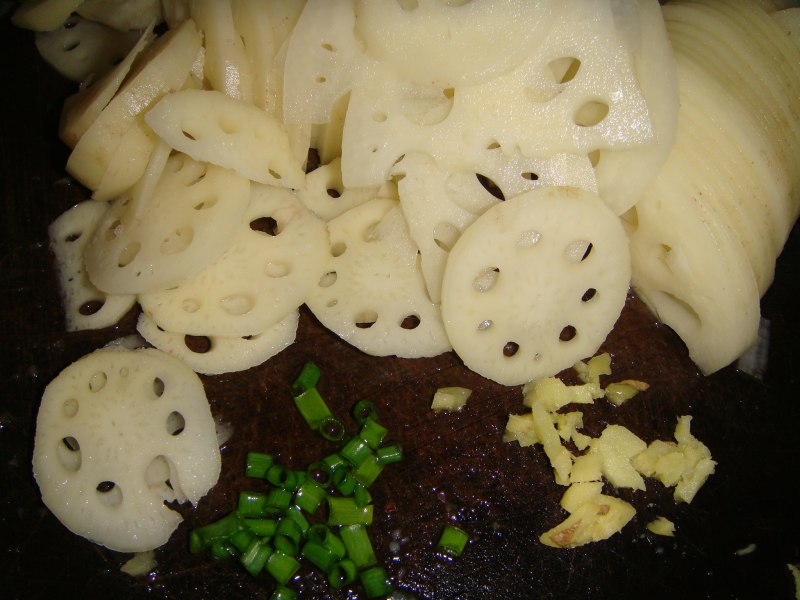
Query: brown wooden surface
[{"x": 456, "y": 469}]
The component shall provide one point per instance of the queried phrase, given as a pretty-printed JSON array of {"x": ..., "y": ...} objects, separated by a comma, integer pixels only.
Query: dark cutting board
[{"x": 456, "y": 468}]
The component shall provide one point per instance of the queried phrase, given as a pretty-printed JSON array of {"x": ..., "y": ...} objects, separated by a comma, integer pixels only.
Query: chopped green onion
[
  {"x": 355, "y": 451},
  {"x": 279, "y": 499},
  {"x": 373, "y": 433},
  {"x": 242, "y": 539},
  {"x": 345, "y": 511},
  {"x": 389, "y": 454},
  {"x": 307, "y": 379},
  {"x": 321, "y": 533},
  {"x": 332, "y": 461},
  {"x": 361, "y": 495},
  {"x": 224, "y": 550},
  {"x": 363, "y": 410},
  {"x": 257, "y": 464},
  {"x": 343, "y": 481},
  {"x": 282, "y": 566},
  {"x": 309, "y": 496},
  {"x": 264, "y": 528},
  {"x": 203, "y": 537},
  {"x": 369, "y": 469},
  {"x": 312, "y": 407},
  {"x": 283, "y": 593},
  {"x": 281, "y": 477},
  {"x": 320, "y": 556},
  {"x": 453, "y": 540},
  {"x": 359, "y": 547},
  {"x": 295, "y": 514},
  {"x": 252, "y": 505},
  {"x": 255, "y": 556},
  {"x": 288, "y": 537},
  {"x": 341, "y": 573},
  {"x": 320, "y": 473},
  {"x": 376, "y": 583},
  {"x": 331, "y": 428}
]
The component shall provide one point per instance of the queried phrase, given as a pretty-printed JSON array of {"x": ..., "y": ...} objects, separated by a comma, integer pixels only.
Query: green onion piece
[
  {"x": 355, "y": 451},
  {"x": 341, "y": 573},
  {"x": 255, "y": 556},
  {"x": 278, "y": 500},
  {"x": 389, "y": 454},
  {"x": 312, "y": 407},
  {"x": 201, "y": 538},
  {"x": 359, "y": 548},
  {"x": 318, "y": 555},
  {"x": 264, "y": 528},
  {"x": 345, "y": 511},
  {"x": 361, "y": 495},
  {"x": 373, "y": 433},
  {"x": 369, "y": 469},
  {"x": 343, "y": 481},
  {"x": 295, "y": 513},
  {"x": 252, "y": 505},
  {"x": 309, "y": 496},
  {"x": 307, "y": 379},
  {"x": 453, "y": 540},
  {"x": 332, "y": 461},
  {"x": 281, "y": 477},
  {"x": 288, "y": 537},
  {"x": 322, "y": 534},
  {"x": 242, "y": 539},
  {"x": 257, "y": 464},
  {"x": 282, "y": 566},
  {"x": 331, "y": 428},
  {"x": 375, "y": 581},
  {"x": 224, "y": 550},
  {"x": 282, "y": 592},
  {"x": 363, "y": 410},
  {"x": 320, "y": 473}
]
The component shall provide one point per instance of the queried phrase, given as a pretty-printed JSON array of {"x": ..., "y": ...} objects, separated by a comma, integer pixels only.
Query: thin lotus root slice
[
  {"x": 535, "y": 284},
  {"x": 373, "y": 294}
]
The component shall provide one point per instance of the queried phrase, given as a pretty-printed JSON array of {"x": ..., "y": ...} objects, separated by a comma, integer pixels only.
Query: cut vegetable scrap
[
  {"x": 267, "y": 270},
  {"x": 450, "y": 398},
  {"x": 617, "y": 456},
  {"x": 118, "y": 433},
  {"x": 594, "y": 520},
  {"x": 85, "y": 307},
  {"x": 535, "y": 284},
  {"x": 662, "y": 526}
]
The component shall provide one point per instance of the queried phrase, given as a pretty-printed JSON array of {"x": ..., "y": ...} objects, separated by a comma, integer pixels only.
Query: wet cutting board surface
[{"x": 456, "y": 470}]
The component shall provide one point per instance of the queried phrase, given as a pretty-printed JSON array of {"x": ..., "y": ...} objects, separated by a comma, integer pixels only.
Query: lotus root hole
[
  {"x": 445, "y": 235},
  {"x": 229, "y": 123},
  {"x": 528, "y": 238},
  {"x": 158, "y": 387},
  {"x": 69, "y": 453},
  {"x": 484, "y": 325},
  {"x": 410, "y": 322},
  {"x": 486, "y": 279},
  {"x": 578, "y": 251},
  {"x": 128, "y": 254},
  {"x": 510, "y": 349},
  {"x": 199, "y": 344},
  {"x": 588, "y": 295},
  {"x": 568, "y": 333},
  {"x": 328, "y": 279},
  {"x": 564, "y": 69},
  {"x": 590, "y": 114},
  {"x": 276, "y": 269},
  {"x": 366, "y": 319},
  {"x": 190, "y": 305},
  {"x": 109, "y": 493},
  {"x": 91, "y": 307},
  {"x": 70, "y": 407},
  {"x": 338, "y": 248},
  {"x": 177, "y": 241},
  {"x": 97, "y": 381},
  {"x": 175, "y": 423},
  {"x": 237, "y": 305}
]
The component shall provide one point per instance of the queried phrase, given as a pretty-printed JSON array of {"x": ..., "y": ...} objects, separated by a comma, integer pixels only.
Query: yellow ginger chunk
[
  {"x": 618, "y": 446},
  {"x": 662, "y": 526},
  {"x": 560, "y": 458},
  {"x": 590, "y": 372},
  {"x": 519, "y": 428}
]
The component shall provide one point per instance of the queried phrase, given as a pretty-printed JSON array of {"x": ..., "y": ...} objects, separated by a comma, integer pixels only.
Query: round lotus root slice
[
  {"x": 535, "y": 284},
  {"x": 119, "y": 433}
]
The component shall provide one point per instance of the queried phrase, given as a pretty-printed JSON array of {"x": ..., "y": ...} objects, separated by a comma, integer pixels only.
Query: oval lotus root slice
[
  {"x": 119, "y": 433},
  {"x": 276, "y": 257},
  {"x": 535, "y": 284}
]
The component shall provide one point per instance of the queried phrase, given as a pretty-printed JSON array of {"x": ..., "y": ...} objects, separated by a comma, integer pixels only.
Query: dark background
[{"x": 456, "y": 468}]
